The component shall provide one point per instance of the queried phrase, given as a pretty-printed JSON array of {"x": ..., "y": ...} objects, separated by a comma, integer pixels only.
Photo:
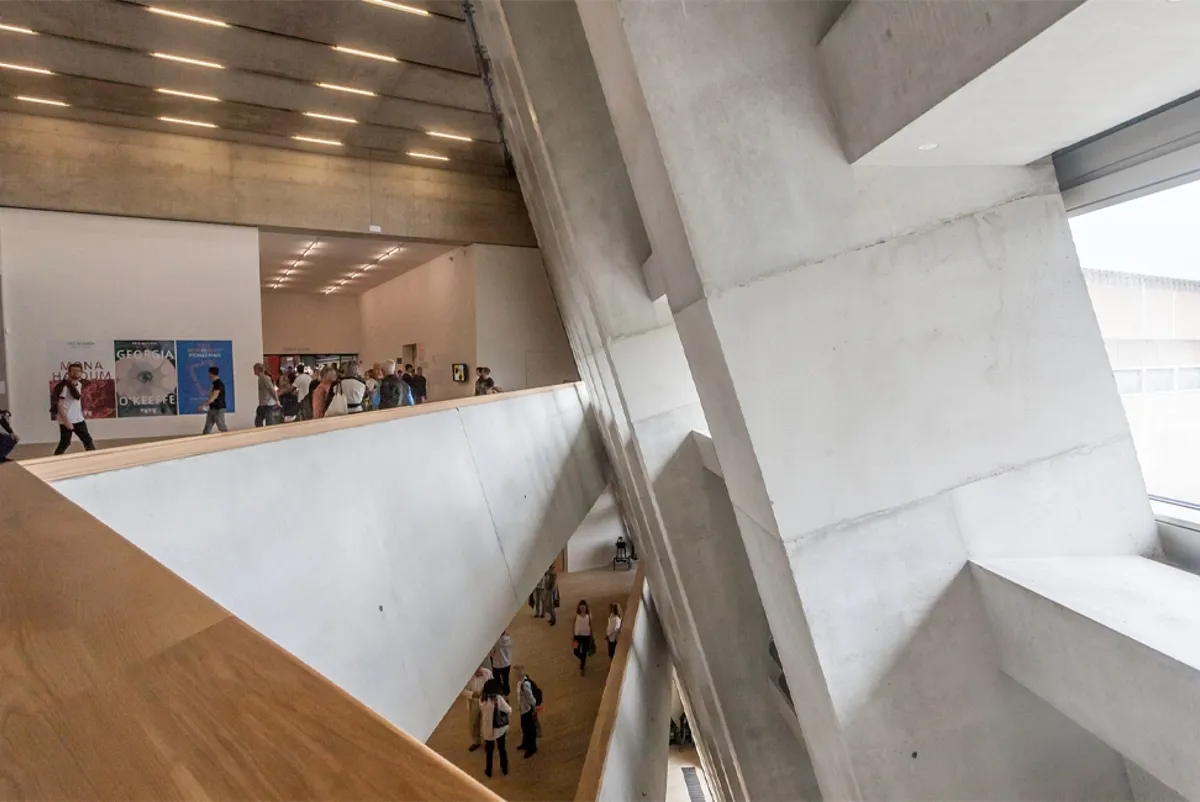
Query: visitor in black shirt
[{"x": 215, "y": 405}]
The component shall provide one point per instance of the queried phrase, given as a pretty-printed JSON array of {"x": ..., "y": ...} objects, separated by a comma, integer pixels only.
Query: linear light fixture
[
  {"x": 418, "y": 155},
  {"x": 455, "y": 137},
  {"x": 189, "y": 17},
  {"x": 333, "y": 117},
  {"x": 182, "y": 121},
  {"x": 350, "y": 89},
  {"x": 23, "y": 68},
  {"x": 212, "y": 65},
  {"x": 17, "y": 29},
  {"x": 317, "y": 140},
  {"x": 354, "y": 51},
  {"x": 42, "y": 100},
  {"x": 192, "y": 95},
  {"x": 420, "y": 12}
]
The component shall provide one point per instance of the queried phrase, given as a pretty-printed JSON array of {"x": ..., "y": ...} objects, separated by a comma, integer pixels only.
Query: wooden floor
[{"x": 571, "y": 701}]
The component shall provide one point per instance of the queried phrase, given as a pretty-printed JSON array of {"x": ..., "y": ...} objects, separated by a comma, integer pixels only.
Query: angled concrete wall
[{"x": 383, "y": 554}]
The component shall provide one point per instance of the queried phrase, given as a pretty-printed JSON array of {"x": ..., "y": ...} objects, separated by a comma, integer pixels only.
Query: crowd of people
[{"x": 487, "y": 692}]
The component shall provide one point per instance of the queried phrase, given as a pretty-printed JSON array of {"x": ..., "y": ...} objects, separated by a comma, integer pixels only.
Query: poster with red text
[{"x": 99, "y": 387}]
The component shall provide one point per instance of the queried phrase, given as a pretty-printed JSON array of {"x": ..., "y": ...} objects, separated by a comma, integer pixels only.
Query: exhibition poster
[
  {"x": 99, "y": 392},
  {"x": 146, "y": 378},
  {"x": 195, "y": 358}
]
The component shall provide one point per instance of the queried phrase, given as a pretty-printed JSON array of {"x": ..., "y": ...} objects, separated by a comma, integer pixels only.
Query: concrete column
[
  {"x": 901, "y": 371},
  {"x": 591, "y": 233}
]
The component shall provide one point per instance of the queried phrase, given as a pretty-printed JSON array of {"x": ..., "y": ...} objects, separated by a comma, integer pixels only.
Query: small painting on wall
[{"x": 459, "y": 371}]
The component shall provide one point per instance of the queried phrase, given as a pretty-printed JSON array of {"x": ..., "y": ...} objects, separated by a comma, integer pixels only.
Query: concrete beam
[
  {"x": 1113, "y": 643},
  {"x": 67, "y": 166}
]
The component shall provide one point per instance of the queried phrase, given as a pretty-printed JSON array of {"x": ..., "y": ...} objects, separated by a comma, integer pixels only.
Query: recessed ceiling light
[
  {"x": 17, "y": 29},
  {"x": 928, "y": 146},
  {"x": 192, "y": 95},
  {"x": 189, "y": 17},
  {"x": 354, "y": 51},
  {"x": 400, "y": 7},
  {"x": 212, "y": 65},
  {"x": 42, "y": 100},
  {"x": 434, "y": 156},
  {"x": 350, "y": 89},
  {"x": 317, "y": 141},
  {"x": 182, "y": 121},
  {"x": 23, "y": 68},
  {"x": 455, "y": 137},
  {"x": 332, "y": 117}
]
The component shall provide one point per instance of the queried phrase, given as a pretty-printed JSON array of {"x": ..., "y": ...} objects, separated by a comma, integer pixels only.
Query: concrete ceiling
[
  {"x": 1084, "y": 68},
  {"x": 313, "y": 263},
  {"x": 272, "y": 54}
]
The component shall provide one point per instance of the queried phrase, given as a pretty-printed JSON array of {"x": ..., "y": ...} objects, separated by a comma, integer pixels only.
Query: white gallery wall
[
  {"x": 301, "y": 323},
  {"x": 76, "y": 277}
]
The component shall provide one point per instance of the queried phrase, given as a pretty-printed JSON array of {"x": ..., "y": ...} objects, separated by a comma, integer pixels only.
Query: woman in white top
[
  {"x": 614, "y": 628},
  {"x": 354, "y": 388},
  {"x": 583, "y": 634},
  {"x": 495, "y": 711}
]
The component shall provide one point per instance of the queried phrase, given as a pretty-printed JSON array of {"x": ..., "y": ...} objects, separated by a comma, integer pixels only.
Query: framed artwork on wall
[{"x": 459, "y": 372}]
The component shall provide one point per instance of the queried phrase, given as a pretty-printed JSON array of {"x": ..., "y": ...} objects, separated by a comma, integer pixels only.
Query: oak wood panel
[{"x": 120, "y": 681}]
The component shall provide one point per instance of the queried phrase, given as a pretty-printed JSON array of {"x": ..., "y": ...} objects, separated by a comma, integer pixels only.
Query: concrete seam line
[{"x": 487, "y": 502}]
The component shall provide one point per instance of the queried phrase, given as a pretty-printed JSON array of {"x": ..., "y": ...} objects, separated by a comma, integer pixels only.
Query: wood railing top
[
  {"x": 53, "y": 469},
  {"x": 588, "y": 789},
  {"x": 121, "y": 681}
]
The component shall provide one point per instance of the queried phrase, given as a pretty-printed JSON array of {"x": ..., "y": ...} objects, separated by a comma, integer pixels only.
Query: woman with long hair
[
  {"x": 613, "y": 630},
  {"x": 583, "y": 634},
  {"x": 494, "y": 711}
]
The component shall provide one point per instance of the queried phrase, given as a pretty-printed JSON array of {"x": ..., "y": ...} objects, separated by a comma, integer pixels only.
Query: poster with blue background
[{"x": 195, "y": 358}]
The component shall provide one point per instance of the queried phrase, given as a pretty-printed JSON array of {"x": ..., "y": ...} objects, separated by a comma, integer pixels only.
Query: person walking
[
  {"x": 551, "y": 593},
  {"x": 214, "y": 407},
  {"x": 268, "y": 398},
  {"x": 502, "y": 661},
  {"x": 527, "y": 703},
  {"x": 495, "y": 712},
  {"x": 8, "y": 438},
  {"x": 583, "y": 634},
  {"x": 68, "y": 395},
  {"x": 420, "y": 386},
  {"x": 539, "y": 598},
  {"x": 613, "y": 630},
  {"x": 473, "y": 694}
]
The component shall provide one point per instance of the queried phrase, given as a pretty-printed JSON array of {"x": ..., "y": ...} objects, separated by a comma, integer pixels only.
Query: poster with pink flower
[
  {"x": 99, "y": 399},
  {"x": 147, "y": 382}
]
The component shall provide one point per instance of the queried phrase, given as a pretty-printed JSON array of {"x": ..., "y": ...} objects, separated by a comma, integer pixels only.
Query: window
[{"x": 1141, "y": 262}]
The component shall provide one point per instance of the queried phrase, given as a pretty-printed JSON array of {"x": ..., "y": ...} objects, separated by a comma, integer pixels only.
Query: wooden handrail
[
  {"x": 121, "y": 681},
  {"x": 588, "y": 789},
  {"x": 53, "y": 469}
]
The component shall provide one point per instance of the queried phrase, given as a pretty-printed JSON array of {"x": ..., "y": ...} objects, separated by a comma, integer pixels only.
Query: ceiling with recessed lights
[
  {"x": 310, "y": 263},
  {"x": 372, "y": 79}
]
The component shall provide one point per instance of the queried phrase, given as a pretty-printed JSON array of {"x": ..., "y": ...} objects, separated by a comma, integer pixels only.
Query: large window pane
[{"x": 1141, "y": 261}]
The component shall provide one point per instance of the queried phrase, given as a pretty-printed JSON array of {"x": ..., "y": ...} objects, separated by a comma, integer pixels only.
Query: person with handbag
[
  {"x": 583, "y": 642},
  {"x": 495, "y": 711}
]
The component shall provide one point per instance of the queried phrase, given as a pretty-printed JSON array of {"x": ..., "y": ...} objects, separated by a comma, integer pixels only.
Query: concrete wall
[
  {"x": 594, "y": 543},
  {"x": 92, "y": 277},
  {"x": 433, "y": 306},
  {"x": 520, "y": 331},
  {"x": 636, "y": 767},
  {"x": 299, "y": 323},
  {"x": 386, "y": 581},
  {"x": 80, "y": 167}
]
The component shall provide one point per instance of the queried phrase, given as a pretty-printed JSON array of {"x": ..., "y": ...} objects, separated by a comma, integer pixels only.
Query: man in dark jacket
[{"x": 393, "y": 391}]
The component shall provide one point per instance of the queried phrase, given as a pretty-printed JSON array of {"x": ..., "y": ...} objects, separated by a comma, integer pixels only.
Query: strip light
[
  {"x": 420, "y": 12},
  {"x": 317, "y": 141},
  {"x": 368, "y": 266},
  {"x": 22, "y": 68},
  {"x": 333, "y": 117},
  {"x": 418, "y": 155},
  {"x": 192, "y": 95},
  {"x": 189, "y": 17},
  {"x": 212, "y": 65},
  {"x": 17, "y": 29},
  {"x": 350, "y": 89},
  {"x": 42, "y": 100},
  {"x": 354, "y": 51},
  {"x": 455, "y": 137},
  {"x": 182, "y": 121},
  {"x": 296, "y": 263}
]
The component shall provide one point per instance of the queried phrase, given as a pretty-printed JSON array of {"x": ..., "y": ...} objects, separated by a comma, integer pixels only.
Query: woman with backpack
[
  {"x": 494, "y": 710},
  {"x": 529, "y": 699}
]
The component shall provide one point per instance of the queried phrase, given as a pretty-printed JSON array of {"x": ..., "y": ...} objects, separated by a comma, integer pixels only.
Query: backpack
[
  {"x": 499, "y": 718},
  {"x": 55, "y": 394},
  {"x": 537, "y": 692}
]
